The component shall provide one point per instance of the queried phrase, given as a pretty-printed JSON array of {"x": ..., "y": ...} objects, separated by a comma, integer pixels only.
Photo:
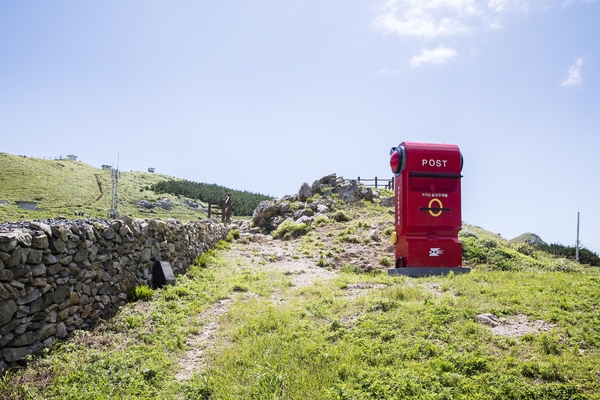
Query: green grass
[
  {"x": 405, "y": 340},
  {"x": 53, "y": 184},
  {"x": 361, "y": 335},
  {"x": 290, "y": 230},
  {"x": 71, "y": 188},
  {"x": 137, "y": 293}
]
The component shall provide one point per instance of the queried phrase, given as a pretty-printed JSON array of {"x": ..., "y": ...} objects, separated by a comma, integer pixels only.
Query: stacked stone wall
[{"x": 59, "y": 275}]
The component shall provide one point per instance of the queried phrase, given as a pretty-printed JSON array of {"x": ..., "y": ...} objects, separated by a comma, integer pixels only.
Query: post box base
[{"x": 427, "y": 271}]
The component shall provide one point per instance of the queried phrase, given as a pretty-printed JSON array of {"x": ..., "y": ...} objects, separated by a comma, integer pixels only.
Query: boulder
[
  {"x": 40, "y": 241},
  {"x": 387, "y": 202},
  {"x": 316, "y": 188},
  {"x": 15, "y": 354},
  {"x": 165, "y": 204},
  {"x": 348, "y": 191},
  {"x": 8, "y": 308},
  {"x": 322, "y": 209},
  {"x": 366, "y": 194},
  {"x": 305, "y": 192},
  {"x": 264, "y": 212},
  {"x": 328, "y": 179},
  {"x": 39, "y": 226},
  {"x": 145, "y": 204},
  {"x": 191, "y": 203},
  {"x": 8, "y": 241}
]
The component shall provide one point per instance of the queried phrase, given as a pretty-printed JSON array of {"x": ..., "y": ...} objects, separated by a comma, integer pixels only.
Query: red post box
[{"x": 428, "y": 208}]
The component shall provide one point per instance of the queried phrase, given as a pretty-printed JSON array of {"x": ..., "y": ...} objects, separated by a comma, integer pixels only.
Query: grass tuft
[
  {"x": 290, "y": 230},
  {"x": 137, "y": 293}
]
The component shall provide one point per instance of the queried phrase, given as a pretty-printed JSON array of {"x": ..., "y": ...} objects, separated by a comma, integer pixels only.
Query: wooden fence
[
  {"x": 223, "y": 207},
  {"x": 377, "y": 183}
]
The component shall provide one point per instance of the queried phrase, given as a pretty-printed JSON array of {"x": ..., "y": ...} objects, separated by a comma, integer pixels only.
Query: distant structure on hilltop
[
  {"x": 107, "y": 167},
  {"x": 28, "y": 205},
  {"x": 72, "y": 157},
  {"x": 151, "y": 170}
]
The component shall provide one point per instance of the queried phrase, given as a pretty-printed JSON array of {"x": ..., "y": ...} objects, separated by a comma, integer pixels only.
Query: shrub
[
  {"x": 323, "y": 263},
  {"x": 206, "y": 258},
  {"x": 363, "y": 225},
  {"x": 525, "y": 248},
  {"x": 234, "y": 234},
  {"x": 355, "y": 269},
  {"x": 290, "y": 230},
  {"x": 142, "y": 292},
  {"x": 341, "y": 216},
  {"x": 222, "y": 245},
  {"x": 321, "y": 220},
  {"x": 385, "y": 261}
]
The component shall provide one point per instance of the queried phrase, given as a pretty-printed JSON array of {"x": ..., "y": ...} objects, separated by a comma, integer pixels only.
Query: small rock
[{"x": 488, "y": 319}]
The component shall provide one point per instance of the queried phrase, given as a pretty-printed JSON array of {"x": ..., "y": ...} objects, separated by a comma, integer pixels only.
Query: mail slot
[{"x": 427, "y": 181}]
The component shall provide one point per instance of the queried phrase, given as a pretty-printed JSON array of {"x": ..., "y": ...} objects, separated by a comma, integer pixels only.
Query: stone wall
[{"x": 59, "y": 275}]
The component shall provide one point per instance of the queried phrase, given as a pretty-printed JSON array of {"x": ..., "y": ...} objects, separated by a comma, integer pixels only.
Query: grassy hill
[
  {"x": 530, "y": 238},
  {"x": 317, "y": 317},
  {"x": 72, "y": 189}
]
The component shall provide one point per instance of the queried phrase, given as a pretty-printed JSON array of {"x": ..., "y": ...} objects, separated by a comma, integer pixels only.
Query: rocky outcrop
[
  {"x": 387, "y": 202},
  {"x": 165, "y": 204},
  {"x": 190, "y": 203},
  {"x": 145, "y": 204},
  {"x": 57, "y": 276},
  {"x": 310, "y": 202}
]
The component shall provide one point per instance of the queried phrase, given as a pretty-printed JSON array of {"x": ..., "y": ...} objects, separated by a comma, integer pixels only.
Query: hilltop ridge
[{"x": 73, "y": 189}]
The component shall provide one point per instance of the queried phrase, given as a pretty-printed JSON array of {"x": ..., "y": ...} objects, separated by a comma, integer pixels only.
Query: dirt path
[
  {"x": 260, "y": 253},
  {"x": 194, "y": 359}
]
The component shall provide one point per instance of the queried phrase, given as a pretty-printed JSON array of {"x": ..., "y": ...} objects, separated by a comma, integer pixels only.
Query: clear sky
[{"x": 266, "y": 95}]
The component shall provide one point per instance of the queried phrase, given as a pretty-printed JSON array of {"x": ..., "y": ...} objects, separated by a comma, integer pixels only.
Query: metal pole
[
  {"x": 375, "y": 182},
  {"x": 577, "y": 244}
]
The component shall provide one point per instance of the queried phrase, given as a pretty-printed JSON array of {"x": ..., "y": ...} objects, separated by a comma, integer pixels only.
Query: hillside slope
[{"x": 73, "y": 189}]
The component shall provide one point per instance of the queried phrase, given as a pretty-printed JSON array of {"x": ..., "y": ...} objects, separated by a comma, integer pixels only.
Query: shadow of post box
[{"x": 427, "y": 209}]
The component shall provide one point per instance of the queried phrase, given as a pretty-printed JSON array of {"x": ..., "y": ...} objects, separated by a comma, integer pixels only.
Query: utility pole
[
  {"x": 577, "y": 244},
  {"x": 113, "y": 213},
  {"x": 114, "y": 173}
]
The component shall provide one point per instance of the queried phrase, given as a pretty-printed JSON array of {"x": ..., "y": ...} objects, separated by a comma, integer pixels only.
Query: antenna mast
[
  {"x": 577, "y": 243},
  {"x": 114, "y": 173}
]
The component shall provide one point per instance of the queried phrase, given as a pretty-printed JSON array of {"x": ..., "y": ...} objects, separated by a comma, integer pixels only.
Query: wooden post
[{"x": 226, "y": 216}]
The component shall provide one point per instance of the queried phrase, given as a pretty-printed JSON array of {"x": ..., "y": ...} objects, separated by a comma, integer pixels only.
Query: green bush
[
  {"x": 206, "y": 258},
  {"x": 321, "y": 220},
  {"x": 290, "y": 230},
  {"x": 341, "y": 216},
  {"x": 222, "y": 245},
  {"x": 137, "y": 293},
  {"x": 323, "y": 263},
  {"x": 504, "y": 256},
  {"x": 385, "y": 261},
  {"x": 388, "y": 231},
  {"x": 233, "y": 234}
]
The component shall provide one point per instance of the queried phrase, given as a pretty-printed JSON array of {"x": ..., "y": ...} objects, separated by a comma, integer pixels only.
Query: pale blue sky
[{"x": 265, "y": 95}]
